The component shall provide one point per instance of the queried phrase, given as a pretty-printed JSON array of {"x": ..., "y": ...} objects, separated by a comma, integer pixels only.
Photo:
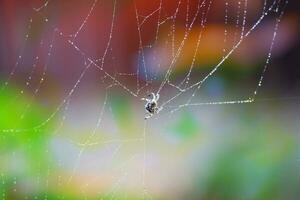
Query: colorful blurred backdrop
[{"x": 72, "y": 119}]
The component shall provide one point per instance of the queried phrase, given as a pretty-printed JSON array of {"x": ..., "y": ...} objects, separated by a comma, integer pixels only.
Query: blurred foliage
[
  {"x": 122, "y": 112},
  {"x": 24, "y": 150},
  {"x": 186, "y": 126},
  {"x": 252, "y": 164}
]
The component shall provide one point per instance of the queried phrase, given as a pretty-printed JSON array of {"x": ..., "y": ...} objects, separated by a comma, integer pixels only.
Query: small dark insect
[{"x": 151, "y": 105}]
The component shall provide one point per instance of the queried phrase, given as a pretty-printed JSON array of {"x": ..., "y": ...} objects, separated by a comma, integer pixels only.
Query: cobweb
[{"x": 155, "y": 71}]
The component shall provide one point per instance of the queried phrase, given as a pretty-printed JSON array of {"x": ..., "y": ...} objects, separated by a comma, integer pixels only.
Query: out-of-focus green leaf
[{"x": 186, "y": 126}]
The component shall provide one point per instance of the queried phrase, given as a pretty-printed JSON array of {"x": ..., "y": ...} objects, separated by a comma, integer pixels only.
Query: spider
[{"x": 151, "y": 105}]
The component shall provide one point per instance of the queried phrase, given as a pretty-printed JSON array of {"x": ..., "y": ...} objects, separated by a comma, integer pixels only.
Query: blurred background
[{"x": 72, "y": 75}]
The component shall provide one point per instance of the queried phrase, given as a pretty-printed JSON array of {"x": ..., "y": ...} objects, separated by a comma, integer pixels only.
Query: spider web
[{"x": 156, "y": 63}]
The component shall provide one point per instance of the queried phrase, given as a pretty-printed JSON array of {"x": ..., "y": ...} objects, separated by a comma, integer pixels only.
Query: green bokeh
[{"x": 23, "y": 147}]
